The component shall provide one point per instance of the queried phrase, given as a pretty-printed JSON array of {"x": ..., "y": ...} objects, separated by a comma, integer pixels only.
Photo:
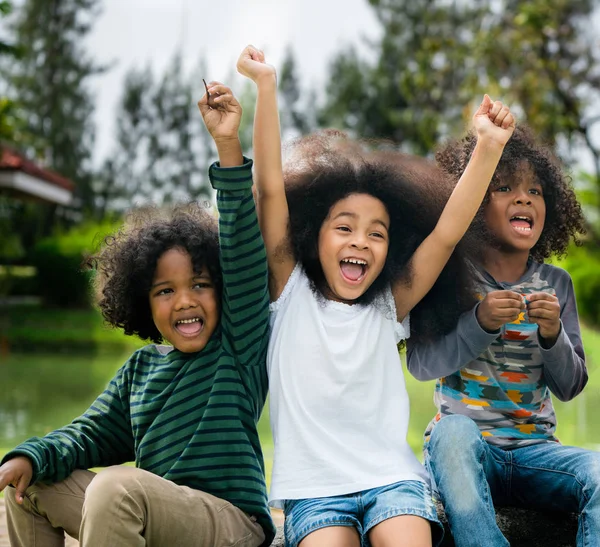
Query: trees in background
[
  {"x": 421, "y": 76},
  {"x": 51, "y": 82},
  {"x": 417, "y": 84},
  {"x": 161, "y": 152},
  {"x": 435, "y": 57}
]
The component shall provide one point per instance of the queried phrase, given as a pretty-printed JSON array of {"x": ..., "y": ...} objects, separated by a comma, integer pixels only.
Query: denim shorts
[{"x": 362, "y": 510}]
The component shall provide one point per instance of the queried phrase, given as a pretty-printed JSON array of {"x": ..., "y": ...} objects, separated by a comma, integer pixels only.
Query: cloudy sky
[{"x": 133, "y": 33}]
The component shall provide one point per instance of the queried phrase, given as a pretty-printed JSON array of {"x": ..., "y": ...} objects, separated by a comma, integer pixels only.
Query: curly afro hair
[
  {"x": 564, "y": 218},
  {"x": 326, "y": 167},
  {"x": 126, "y": 262}
]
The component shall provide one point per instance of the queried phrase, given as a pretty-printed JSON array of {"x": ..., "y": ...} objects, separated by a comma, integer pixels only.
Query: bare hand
[
  {"x": 223, "y": 119},
  {"x": 499, "y": 308},
  {"x": 18, "y": 472},
  {"x": 251, "y": 64},
  {"x": 494, "y": 120},
  {"x": 544, "y": 310}
]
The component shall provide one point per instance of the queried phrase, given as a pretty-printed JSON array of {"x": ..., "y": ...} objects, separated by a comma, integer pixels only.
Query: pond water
[{"x": 40, "y": 392}]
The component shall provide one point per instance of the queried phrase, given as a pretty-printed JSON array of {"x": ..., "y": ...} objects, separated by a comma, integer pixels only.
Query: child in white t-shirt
[{"x": 343, "y": 279}]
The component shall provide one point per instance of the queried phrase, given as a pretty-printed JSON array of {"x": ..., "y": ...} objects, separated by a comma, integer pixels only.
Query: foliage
[
  {"x": 50, "y": 83},
  {"x": 583, "y": 264},
  {"x": 162, "y": 150},
  {"x": 9, "y": 119},
  {"x": 296, "y": 110},
  {"x": 435, "y": 56},
  {"x": 423, "y": 76},
  {"x": 58, "y": 259}
]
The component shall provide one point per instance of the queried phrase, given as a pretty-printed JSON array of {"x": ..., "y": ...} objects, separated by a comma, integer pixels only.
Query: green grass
[
  {"x": 34, "y": 326},
  {"x": 591, "y": 343}
]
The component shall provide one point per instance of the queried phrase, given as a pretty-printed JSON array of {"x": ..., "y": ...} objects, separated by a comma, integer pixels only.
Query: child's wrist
[
  {"x": 488, "y": 143},
  {"x": 230, "y": 151},
  {"x": 266, "y": 80}
]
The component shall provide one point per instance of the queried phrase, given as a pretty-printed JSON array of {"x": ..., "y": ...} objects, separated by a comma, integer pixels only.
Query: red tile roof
[{"x": 11, "y": 160}]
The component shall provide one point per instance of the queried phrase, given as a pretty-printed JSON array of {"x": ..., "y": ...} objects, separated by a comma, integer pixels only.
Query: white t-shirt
[{"x": 338, "y": 402}]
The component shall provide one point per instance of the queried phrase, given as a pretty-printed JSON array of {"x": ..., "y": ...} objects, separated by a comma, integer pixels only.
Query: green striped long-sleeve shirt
[{"x": 190, "y": 418}]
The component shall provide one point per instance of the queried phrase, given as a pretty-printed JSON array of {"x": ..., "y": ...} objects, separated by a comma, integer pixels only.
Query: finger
[
  {"x": 499, "y": 120},
  {"x": 222, "y": 101},
  {"x": 4, "y": 482},
  {"x": 20, "y": 488},
  {"x": 495, "y": 109},
  {"x": 203, "y": 105},
  {"x": 219, "y": 89},
  {"x": 255, "y": 54},
  {"x": 509, "y": 121},
  {"x": 513, "y": 301},
  {"x": 510, "y": 302},
  {"x": 261, "y": 56},
  {"x": 507, "y": 314},
  {"x": 544, "y": 305},
  {"x": 504, "y": 294},
  {"x": 542, "y": 313},
  {"x": 537, "y": 296},
  {"x": 252, "y": 50},
  {"x": 485, "y": 105}
]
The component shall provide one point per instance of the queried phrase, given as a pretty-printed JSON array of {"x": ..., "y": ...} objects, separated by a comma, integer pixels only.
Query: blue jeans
[
  {"x": 472, "y": 475},
  {"x": 361, "y": 510}
]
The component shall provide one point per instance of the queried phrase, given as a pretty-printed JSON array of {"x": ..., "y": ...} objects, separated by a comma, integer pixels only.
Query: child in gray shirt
[{"x": 493, "y": 438}]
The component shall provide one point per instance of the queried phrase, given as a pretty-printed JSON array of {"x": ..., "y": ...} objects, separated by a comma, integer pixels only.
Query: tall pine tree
[{"x": 51, "y": 83}]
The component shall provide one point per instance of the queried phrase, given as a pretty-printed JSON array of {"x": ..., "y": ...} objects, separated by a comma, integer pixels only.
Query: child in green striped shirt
[{"x": 185, "y": 413}]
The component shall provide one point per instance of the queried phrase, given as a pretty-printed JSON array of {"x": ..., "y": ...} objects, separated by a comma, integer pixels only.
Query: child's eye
[
  {"x": 343, "y": 228},
  {"x": 378, "y": 234},
  {"x": 202, "y": 285},
  {"x": 503, "y": 189},
  {"x": 164, "y": 291},
  {"x": 535, "y": 191}
]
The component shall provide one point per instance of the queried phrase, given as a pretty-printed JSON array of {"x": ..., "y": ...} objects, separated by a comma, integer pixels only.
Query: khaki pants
[{"x": 126, "y": 507}]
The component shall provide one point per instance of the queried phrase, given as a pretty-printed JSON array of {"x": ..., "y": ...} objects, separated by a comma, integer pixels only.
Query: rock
[
  {"x": 527, "y": 528},
  {"x": 278, "y": 541}
]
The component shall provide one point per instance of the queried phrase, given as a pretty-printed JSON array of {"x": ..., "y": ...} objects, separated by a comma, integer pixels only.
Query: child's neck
[{"x": 505, "y": 267}]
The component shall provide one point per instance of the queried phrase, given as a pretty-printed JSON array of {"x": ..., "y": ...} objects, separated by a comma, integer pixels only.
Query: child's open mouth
[
  {"x": 522, "y": 223},
  {"x": 353, "y": 269},
  {"x": 189, "y": 327}
]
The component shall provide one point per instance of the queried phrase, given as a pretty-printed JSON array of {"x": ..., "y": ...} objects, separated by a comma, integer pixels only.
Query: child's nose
[
  {"x": 185, "y": 300},
  {"x": 360, "y": 241},
  {"x": 522, "y": 197}
]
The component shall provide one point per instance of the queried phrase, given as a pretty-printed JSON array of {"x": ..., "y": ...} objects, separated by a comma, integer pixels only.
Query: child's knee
[
  {"x": 589, "y": 474},
  {"x": 454, "y": 433},
  {"x": 109, "y": 486}
]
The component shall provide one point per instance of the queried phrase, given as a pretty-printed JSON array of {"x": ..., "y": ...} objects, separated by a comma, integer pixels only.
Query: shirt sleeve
[
  {"x": 448, "y": 354},
  {"x": 565, "y": 371},
  {"x": 245, "y": 306},
  {"x": 100, "y": 437}
]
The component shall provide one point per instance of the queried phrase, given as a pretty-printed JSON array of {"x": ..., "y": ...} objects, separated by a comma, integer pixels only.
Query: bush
[
  {"x": 583, "y": 263},
  {"x": 60, "y": 279}
]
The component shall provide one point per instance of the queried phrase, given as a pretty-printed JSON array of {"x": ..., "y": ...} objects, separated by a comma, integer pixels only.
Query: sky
[{"x": 135, "y": 33}]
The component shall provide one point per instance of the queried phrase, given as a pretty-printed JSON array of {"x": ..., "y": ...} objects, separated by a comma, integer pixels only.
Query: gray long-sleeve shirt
[{"x": 503, "y": 380}]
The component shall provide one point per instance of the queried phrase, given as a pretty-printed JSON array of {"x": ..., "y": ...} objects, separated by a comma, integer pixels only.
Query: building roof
[{"x": 24, "y": 177}]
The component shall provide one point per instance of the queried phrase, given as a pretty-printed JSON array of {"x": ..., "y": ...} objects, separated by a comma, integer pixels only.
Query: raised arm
[
  {"x": 245, "y": 303},
  {"x": 494, "y": 125},
  {"x": 268, "y": 174}
]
